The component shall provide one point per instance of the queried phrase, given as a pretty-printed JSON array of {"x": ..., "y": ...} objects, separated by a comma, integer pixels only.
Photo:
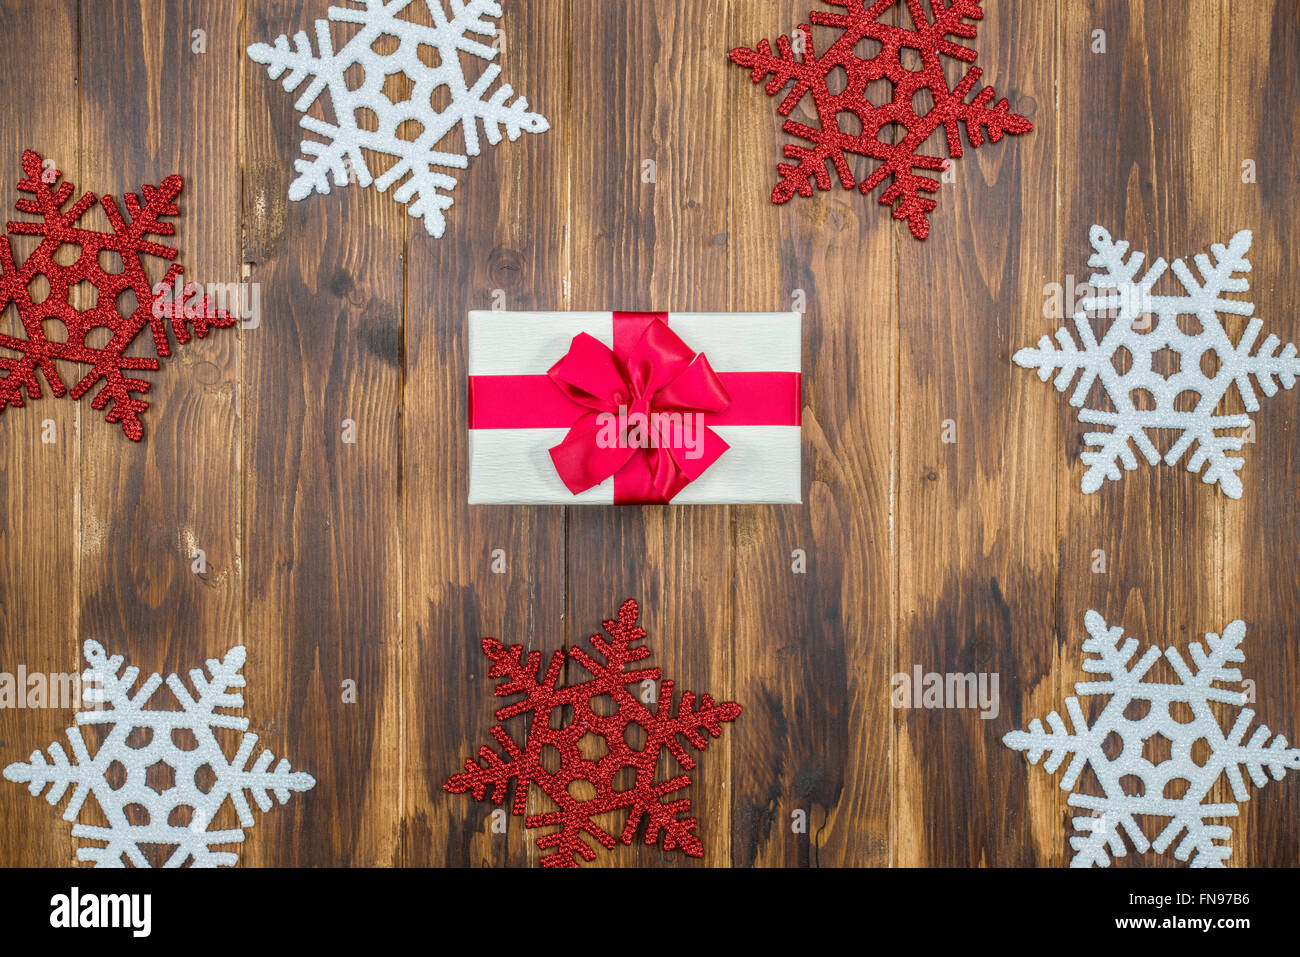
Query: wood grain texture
[
  {"x": 817, "y": 727},
  {"x": 976, "y": 550},
  {"x": 39, "y": 550},
  {"x": 341, "y": 562},
  {"x": 148, "y": 511},
  {"x": 1261, "y": 94},
  {"x": 655, "y": 246},
  {"x": 505, "y": 247},
  {"x": 1157, "y": 187},
  {"x": 322, "y": 551}
]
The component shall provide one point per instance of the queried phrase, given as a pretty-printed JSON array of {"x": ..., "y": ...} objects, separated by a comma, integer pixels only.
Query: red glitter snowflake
[
  {"x": 928, "y": 38},
  {"x": 562, "y": 717},
  {"x": 155, "y": 307}
]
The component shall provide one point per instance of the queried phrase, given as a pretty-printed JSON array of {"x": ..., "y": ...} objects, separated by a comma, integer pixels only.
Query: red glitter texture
[
  {"x": 928, "y": 38},
  {"x": 490, "y": 775},
  {"x": 109, "y": 362}
]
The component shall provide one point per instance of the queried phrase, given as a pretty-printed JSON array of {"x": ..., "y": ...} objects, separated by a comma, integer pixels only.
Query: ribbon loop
[{"x": 647, "y": 400}]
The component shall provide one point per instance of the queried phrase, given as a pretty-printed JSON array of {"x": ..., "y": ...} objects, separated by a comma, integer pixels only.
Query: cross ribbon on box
[{"x": 639, "y": 412}]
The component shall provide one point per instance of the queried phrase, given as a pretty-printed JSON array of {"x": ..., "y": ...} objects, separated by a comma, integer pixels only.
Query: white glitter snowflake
[
  {"x": 1128, "y": 299},
  {"x": 419, "y": 163},
  {"x": 113, "y": 703},
  {"x": 1229, "y": 752}
]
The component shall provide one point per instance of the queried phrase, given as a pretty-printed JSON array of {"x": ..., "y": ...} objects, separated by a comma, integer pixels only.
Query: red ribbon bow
[{"x": 658, "y": 377}]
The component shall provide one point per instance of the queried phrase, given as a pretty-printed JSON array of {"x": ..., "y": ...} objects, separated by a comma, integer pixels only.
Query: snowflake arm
[
  {"x": 1219, "y": 277},
  {"x": 1095, "y": 837},
  {"x": 105, "y": 686},
  {"x": 1066, "y": 360},
  {"x": 59, "y": 772},
  {"x": 497, "y": 114},
  {"x": 1213, "y": 449},
  {"x": 214, "y": 693},
  {"x": 300, "y": 62},
  {"x": 782, "y": 67},
  {"x": 1208, "y": 844},
  {"x": 332, "y": 157},
  {"x": 521, "y": 676},
  {"x": 260, "y": 780},
  {"x": 490, "y": 775},
  {"x": 691, "y": 723},
  {"x": 1058, "y": 743},
  {"x": 1212, "y": 668},
  {"x": 1104, "y": 452},
  {"x": 1269, "y": 367},
  {"x": 1259, "y": 756},
  {"x": 981, "y": 120},
  {"x": 424, "y": 187},
  {"x": 1112, "y": 653},
  {"x": 1203, "y": 844},
  {"x": 1119, "y": 272},
  {"x": 1103, "y": 830},
  {"x": 665, "y": 826}
]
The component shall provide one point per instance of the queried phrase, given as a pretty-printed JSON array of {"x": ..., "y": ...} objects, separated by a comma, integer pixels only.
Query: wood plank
[
  {"x": 151, "y": 107},
  {"x": 812, "y": 649},
  {"x": 977, "y": 544},
  {"x": 505, "y": 247},
  {"x": 323, "y": 557},
  {"x": 1260, "y": 97},
  {"x": 39, "y": 480},
  {"x": 658, "y": 246},
  {"x": 1155, "y": 184}
]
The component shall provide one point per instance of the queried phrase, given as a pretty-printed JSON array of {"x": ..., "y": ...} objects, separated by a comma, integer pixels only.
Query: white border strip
[
  {"x": 529, "y": 343},
  {"x": 514, "y": 467}
]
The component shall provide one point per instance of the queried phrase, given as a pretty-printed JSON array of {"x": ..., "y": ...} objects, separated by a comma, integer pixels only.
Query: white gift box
[{"x": 519, "y": 412}]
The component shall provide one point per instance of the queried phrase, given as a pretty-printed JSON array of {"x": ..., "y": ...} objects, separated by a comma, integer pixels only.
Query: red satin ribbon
[
  {"x": 646, "y": 373},
  {"x": 650, "y": 369},
  {"x": 533, "y": 402}
]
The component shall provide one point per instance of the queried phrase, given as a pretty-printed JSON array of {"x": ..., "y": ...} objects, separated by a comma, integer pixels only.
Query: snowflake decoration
[
  {"x": 108, "y": 689},
  {"x": 928, "y": 39},
  {"x": 490, "y": 775},
  {"x": 92, "y": 254},
  {"x": 1121, "y": 295},
  {"x": 1229, "y": 750},
  {"x": 417, "y": 160}
]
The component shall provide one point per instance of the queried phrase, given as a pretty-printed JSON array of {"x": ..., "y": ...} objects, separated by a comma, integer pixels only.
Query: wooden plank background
[{"x": 338, "y": 562}]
